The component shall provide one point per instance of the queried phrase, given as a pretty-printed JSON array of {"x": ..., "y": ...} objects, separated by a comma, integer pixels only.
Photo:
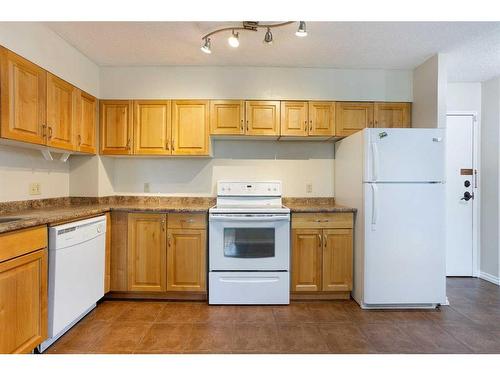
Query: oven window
[{"x": 249, "y": 242}]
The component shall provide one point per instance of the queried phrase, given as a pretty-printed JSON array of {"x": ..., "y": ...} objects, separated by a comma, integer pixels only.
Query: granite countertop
[{"x": 57, "y": 210}]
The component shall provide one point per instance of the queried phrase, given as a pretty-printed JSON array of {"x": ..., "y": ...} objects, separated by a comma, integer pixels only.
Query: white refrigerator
[{"x": 395, "y": 180}]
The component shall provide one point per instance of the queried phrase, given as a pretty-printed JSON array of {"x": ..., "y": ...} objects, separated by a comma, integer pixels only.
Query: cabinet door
[
  {"x": 152, "y": 127},
  {"x": 61, "y": 113},
  {"x": 23, "y": 302},
  {"x": 322, "y": 118},
  {"x": 337, "y": 260},
  {"x": 263, "y": 117},
  {"x": 186, "y": 260},
  {"x": 23, "y": 98},
  {"x": 227, "y": 117},
  {"x": 190, "y": 127},
  {"x": 392, "y": 115},
  {"x": 116, "y": 127},
  {"x": 86, "y": 123},
  {"x": 352, "y": 117},
  {"x": 306, "y": 260},
  {"x": 147, "y": 253},
  {"x": 294, "y": 118}
]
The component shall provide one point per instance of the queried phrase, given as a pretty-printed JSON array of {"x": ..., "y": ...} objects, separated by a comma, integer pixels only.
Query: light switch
[
  {"x": 309, "y": 188},
  {"x": 35, "y": 188},
  {"x": 146, "y": 187}
]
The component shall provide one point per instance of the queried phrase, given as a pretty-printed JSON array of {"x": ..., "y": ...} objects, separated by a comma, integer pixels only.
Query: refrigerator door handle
[
  {"x": 375, "y": 161},
  {"x": 374, "y": 206}
]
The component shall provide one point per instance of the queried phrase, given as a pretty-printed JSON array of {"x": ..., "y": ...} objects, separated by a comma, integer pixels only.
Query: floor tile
[
  {"x": 345, "y": 338},
  {"x": 108, "y": 310},
  {"x": 210, "y": 337},
  {"x": 256, "y": 338},
  {"x": 141, "y": 311},
  {"x": 478, "y": 338},
  {"x": 301, "y": 338},
  {"x": 165, "y": 338},
  {"x": 254, "y": 314},
  {"x": 121, "y": 337},
  {"x": 81, "y": 338},
  {"x": 298, "y": 312},
  {"x": 389, "y": 338}
]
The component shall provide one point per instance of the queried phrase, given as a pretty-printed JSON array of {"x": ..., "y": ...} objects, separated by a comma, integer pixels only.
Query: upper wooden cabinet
[
  {"x": 262, "y": 117},
  {"x": 190, "y": 134},
  {"x": 23, "y": 99},
  {"x": 322, "y": 118},
  {"x": 116, "y": 127},
  {"x": 294, "y": 118},
  {"x": 392, "y": 115},
  {"x": 227, "y": 117},
  {"x": 152, "y": 127},
  {"x": 86, "y": 122},
  {"x": 61, "y": 113},
  {"x": 352, "y": 117},
  {"x": 147, "y": 252}
]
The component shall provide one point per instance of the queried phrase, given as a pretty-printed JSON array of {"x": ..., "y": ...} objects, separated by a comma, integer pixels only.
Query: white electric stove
[{"x": 249, "y": 244}]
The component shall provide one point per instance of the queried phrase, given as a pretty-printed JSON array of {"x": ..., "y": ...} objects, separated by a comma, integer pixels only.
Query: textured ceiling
[{"x": 473, "y": 47}]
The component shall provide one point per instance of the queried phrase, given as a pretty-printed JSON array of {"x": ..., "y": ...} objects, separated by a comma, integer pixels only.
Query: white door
[
  {"x": 404, "y": 155},
  {"x": 404, "y": 243},
  {"x": 459, "y": 181}
]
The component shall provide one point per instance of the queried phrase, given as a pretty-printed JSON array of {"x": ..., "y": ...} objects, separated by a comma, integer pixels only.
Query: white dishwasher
[{"x": 76, "y": 273}]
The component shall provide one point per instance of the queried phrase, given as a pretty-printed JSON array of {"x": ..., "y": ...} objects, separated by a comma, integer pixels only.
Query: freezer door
[
  {"x": 404, "y": 243},
  {"x": 404, "y": 155}
]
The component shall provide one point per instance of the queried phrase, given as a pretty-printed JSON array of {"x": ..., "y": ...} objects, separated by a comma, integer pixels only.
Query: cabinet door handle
[
  {"x": 128, "y": 144},
  {"x": 79, "y": 140},
  {"x": 44, "y": 131},
  {"x": 173, "y": 144},
  {"x": 320, "y": 241},
  {"x": 167, "y": 146},
  {"x": 241, "y": 125},
  {"x": 325, "y": 239},
  {"x": 247, "y": 125},
  {"x": 163, "y": 225},
  {"x": 50, "y": 132},
  {"x": 169, "y": 241}
]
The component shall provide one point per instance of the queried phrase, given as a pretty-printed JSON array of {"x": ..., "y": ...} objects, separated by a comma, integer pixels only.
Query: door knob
[
  {"x": 466, "y": 183},
  {"x": 467, "y": 196}
]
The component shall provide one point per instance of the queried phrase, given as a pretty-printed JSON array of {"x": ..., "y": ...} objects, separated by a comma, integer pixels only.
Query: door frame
[{"x": 476, "y": 208}]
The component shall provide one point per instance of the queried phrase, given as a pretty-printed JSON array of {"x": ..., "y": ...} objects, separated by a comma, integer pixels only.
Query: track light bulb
[
  {"x": 268, "y": 38},
  {"x": 234, "y": 40},
  {"x": 301, "y": 31},
  {"x": 206, "y": 47}
]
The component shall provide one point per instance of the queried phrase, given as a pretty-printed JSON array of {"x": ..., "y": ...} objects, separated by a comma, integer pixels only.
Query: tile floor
[{"x": 470, "y": 325}]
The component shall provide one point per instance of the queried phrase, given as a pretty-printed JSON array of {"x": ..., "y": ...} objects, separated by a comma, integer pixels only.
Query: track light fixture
[{"x": 234, "y": 40}]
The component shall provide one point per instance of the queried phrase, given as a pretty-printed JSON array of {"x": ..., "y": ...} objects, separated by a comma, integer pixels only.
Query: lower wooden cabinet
[
  {"x": 23, "y": 290},
  {"x": 322, "y": 251}
]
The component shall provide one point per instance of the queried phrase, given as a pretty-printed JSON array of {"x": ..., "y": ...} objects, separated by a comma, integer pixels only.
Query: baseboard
[{"x": 489, "y": 277}]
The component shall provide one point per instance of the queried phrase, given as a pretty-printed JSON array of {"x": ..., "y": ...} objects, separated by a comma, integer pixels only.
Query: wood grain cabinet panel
[
  {"x": 227, "y": 117},
  {"x": 186, "y": 260},
  {"x": 190, "y": 132},
  {"x": 322, "y": 118},
  {"x": 294, "y": 118},
  {"x": 337, "y": 260},
  {"x": 152, "y": 129},
  {"x": 147, "y": 262},
  {"x": 119, "y": 252},
  {"x": 262, "y": 117},
  {"x": 306, "y": 260},
  {"x": 86, "y": 122},
  {"x": 352, "y": 117},
  {"x": 61, "y": 113},
  {"x": 23, "y": 99},
  {"x": 23, "y": 302},
  {"x": 116, "y": 127},
  {"x": 392, "y": 115}
]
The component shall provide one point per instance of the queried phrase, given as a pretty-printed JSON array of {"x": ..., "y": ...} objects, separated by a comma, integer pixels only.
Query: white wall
[
  {"x": 19, "y": 167},
  {"x": 490, "y": 187},
  {"x": 463, "y": 96},
  {"x": 429, "y": 93},
  {"x": 294, "y": 163},
  {"x": 39, "y": 44},
  {"x": 255, "y": 83}
]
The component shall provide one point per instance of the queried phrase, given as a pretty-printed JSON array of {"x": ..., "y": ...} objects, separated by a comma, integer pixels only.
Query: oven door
[{"x": 249, "y": 242}]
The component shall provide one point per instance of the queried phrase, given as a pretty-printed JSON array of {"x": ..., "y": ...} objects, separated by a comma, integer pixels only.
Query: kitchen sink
[{"x": 9, "y": 219}]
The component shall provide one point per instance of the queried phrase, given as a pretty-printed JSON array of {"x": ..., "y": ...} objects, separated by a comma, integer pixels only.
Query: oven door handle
[
  {"x": 249, "y": 279},
  {"x": 249, "y": 218}
]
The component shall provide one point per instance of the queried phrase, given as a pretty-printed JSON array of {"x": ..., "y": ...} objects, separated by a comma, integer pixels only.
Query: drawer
[
  {"x": 20, "y": 242},
  {"x": 323, "y": 220},
  {"x": 187, "y": 221}
]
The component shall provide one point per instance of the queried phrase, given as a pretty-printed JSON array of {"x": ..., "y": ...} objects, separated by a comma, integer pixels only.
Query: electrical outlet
[
  {"x": 146, "y": 187},
  {"x": 309, "y": 188},
  {"x": 35, "y": 188}
]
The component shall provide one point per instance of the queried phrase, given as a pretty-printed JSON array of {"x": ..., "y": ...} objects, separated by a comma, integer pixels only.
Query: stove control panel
[{"x": 245, "y": 188}]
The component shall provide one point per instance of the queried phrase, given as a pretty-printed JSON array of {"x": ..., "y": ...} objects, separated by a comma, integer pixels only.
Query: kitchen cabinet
[
  {"x": 152, "y": 127},
  {"x": 392, "y": 115},
  {"x": 186, "y": 253},
  {"x": 227, "y": 117},
  {"x": 352, "y": 117},
  {"x": 262, "y": 117},
  {"x": 116, "y": 127},
  {"x": 307, "y": 119},
  {"x": 294, "y": 118},
  {"x": 86, "y": 122},
  {"x": 322, "y": 119},
  {"x": 23, "y": 99},
  {"x": 190, "y": 132},
  {"x": 147, "y": 252},
  {"x": 322, "y": 251},
  {"x": 61, "y": 113},
  {"x": 23, "y": 290}
]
